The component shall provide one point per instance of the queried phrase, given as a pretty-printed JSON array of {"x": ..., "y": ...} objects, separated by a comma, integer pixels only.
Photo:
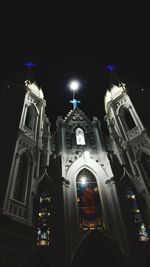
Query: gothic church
[{"x": 74, "y": 197}]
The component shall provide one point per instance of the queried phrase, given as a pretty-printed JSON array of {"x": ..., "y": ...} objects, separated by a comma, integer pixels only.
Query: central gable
[
  {"x": 79, "y": 130},
  {"x": 76, "y": 115}
]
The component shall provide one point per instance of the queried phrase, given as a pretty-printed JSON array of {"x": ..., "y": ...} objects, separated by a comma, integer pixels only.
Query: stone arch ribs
[
  {"x": 103, "y": 245},
  {"x": 44, "y": 182}
]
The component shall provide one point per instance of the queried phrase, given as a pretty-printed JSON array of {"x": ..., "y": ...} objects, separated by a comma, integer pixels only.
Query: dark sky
[{"x": 75, "y": 43}]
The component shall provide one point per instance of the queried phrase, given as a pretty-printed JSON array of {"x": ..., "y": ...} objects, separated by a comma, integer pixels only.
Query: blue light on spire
[
  {"x": 75, "y": 102},
  {"x": 29, "y": 64},
  {"x": 110, "y": 67}
]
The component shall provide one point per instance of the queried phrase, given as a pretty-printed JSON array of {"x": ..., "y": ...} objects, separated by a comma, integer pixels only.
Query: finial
[
  {"x": 110, "y": 67},
  {"x": 29, "y": 64}
]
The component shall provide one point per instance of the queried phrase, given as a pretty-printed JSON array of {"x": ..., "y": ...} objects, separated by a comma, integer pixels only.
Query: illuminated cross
[
  {"x": 29, "y": 64},
  {"x": 110, "y": 67},
  {"x": 75, "y": 102}
]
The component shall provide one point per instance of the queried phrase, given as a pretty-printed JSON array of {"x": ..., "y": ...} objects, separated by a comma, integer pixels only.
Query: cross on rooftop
[{"x": 75, "y": 102}]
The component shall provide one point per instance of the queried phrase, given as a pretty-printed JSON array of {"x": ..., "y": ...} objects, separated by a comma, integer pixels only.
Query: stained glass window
[
  {"x": 80, "y": 139},
  {"x": 43, "y": 227},
  {"x": 89, "y": 204},
  {"x": 142, "y": 232}
]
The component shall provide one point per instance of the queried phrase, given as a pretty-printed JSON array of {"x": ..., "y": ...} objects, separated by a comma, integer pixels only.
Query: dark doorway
[
  {"x": 42, "y": 263},
  {"x": 97, "y": 256}
]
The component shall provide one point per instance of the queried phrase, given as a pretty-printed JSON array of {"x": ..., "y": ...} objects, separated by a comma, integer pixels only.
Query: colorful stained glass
[
  {"x": 43, "y": 231},
  {"x": 88, "y": 199},
  {"x": 142, "y": 232}
]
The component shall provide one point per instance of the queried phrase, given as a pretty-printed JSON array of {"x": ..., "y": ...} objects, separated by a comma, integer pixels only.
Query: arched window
[
  {"x": 88, "y": 199},
  {"x": 21, "y": 178},
  {"x": 128, "y": 120},
  {"x": 136, "y": 213},
  {"x": 30, "y": 117},
  {"x": 43, "y": 224},
  {"x": 80, "y": 138}
]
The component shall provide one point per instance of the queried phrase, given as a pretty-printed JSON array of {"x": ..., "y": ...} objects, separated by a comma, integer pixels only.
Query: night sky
[{"x": 76, "y": 43}]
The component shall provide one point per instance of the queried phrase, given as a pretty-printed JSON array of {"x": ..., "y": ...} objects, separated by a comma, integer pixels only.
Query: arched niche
[
  {"x": 127, "y": 119},
  {"x": 80, "y": 137},
  {"x": 31, "y": 117}
]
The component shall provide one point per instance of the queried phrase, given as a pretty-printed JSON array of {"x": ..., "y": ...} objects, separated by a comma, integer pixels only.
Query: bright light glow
[
  {"x": 86, "y": 154},
  {"x": 74, "y": 85},
  {"x": 80, "y": 139},
  {"x": 83, "y": 180}
]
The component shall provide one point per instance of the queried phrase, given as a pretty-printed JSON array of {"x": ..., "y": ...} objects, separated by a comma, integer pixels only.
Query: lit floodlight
[
  {"x": 74, "y": 85},
  {"x": 83, "y": 180}
]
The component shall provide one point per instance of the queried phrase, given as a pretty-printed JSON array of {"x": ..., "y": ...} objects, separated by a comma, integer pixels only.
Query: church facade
[{"x": 75, "y": 197}]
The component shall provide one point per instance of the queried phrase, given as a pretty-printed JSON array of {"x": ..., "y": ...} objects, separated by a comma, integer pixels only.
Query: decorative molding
[
  {"x": 110, "y": 181},
  {"x": 65, "y": 182}
]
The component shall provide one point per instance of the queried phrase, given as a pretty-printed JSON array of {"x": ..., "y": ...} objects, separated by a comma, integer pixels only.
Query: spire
[
  {"x": 110, "y": 67},
  {"x": 29, "y": 73},
  {"x": 113, "y": 79},
  {"x": 30, "y": 80},
  {"x": 116, "y": 87}
]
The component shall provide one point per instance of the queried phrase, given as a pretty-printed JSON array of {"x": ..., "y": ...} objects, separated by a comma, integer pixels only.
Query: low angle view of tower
[{"x": 76, "y": 196}]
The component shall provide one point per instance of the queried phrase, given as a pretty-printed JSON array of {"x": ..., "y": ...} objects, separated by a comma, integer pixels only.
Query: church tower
[
  {"x": 26, "y": 150},
  {"x": 130, "y": 143},
  {"x": 26, "y": 159}
]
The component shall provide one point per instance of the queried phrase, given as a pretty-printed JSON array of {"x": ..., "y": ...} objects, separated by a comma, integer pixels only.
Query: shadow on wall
[
  {"x": 95, "y": 255},
  {"x": 41, "y": 263}
]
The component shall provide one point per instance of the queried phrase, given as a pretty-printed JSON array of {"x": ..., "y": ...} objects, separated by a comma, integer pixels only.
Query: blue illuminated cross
[
  {"x": 29, "y": 64},
  {"x": 110, "y": 67},
  {"x": 75, "y": 102}
]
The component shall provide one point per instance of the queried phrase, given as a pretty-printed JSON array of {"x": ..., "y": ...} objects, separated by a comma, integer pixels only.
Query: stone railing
[{"x": 133, "y": 132}]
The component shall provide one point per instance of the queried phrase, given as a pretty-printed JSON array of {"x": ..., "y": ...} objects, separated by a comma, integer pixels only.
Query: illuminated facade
[{"x": 76, "y": 197}]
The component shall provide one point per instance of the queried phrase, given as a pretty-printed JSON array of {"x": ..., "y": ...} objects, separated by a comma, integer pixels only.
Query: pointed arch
[
  {"x": 45, "y": 182},
  {"x": 90, "y": 165},
  {"x": 88, "y": 199},
  {"x": 127, "y": 118},
  {"x": 101, "y": 177},
  {"x": 97, "y": 248}
]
